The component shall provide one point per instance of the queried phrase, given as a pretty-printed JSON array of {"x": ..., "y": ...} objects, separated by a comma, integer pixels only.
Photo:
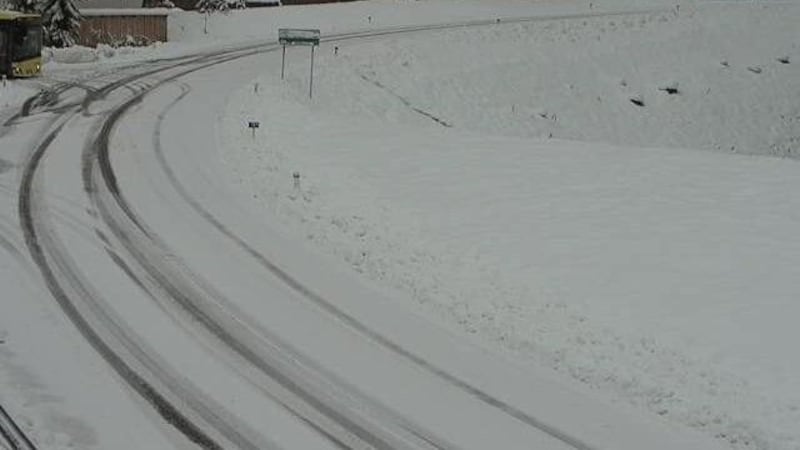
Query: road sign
[{"x": 298, "y": 36}]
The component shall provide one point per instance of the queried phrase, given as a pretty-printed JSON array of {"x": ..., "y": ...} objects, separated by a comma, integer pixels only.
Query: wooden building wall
[{"x": 116, "y": 30}]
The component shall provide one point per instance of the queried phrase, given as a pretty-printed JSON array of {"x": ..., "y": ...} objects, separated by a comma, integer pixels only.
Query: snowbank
[{"x": 60, "y": 61}]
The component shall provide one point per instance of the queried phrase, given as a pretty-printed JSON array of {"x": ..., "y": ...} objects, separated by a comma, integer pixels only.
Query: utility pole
[
  {"x": 283, "y": 61},
  {"x": 311, "y": 78}
]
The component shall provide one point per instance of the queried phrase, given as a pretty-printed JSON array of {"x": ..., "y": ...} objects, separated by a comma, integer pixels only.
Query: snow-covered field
[{"x": 502, "y": 180}]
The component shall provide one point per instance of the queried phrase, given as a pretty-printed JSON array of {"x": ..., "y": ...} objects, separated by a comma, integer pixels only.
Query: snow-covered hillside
[
  {"x": 701, "y": 81},
  {"x": 480, "y": 174}
]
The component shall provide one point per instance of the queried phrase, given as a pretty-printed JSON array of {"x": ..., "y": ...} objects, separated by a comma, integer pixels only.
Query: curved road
[{"x": 236, "y": 336}]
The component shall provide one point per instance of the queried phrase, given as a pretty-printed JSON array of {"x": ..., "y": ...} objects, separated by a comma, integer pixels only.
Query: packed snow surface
[
  {"x": 12, "y": 94},
  {"x": 610, "y": 197},
  {"x": 571, "y": 192}
]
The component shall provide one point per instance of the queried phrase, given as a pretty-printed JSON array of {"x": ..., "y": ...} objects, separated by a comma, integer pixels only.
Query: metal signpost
[
  {"x": 253, "y": 125},
  {"x": 299, "y": 36}
]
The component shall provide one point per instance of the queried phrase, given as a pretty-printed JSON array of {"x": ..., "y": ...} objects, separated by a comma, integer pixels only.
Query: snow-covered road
[{"x": 237, "y": 335}]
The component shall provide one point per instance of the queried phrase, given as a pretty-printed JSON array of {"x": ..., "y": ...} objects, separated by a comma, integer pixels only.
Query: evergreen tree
[
  {"x": 210, "y": 6},
  {"x": 26, "y": 6},
  {"x": 60, "y": 19}
]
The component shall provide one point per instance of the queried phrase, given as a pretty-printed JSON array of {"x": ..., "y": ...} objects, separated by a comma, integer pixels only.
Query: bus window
[{"x": 27, "y": 43}]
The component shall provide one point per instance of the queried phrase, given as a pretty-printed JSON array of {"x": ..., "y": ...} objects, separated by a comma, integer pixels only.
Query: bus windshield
[{"x": 28, "y": 43}]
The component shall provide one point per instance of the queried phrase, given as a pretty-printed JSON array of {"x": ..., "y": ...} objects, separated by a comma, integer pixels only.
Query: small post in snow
[
  {"x": 283, "y": 60},
  {"x": 311, "y": 77},
  {"x": 253, "y": 125}
]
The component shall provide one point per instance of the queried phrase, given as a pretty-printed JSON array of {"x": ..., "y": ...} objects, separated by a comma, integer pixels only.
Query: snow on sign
[{"x": 298, "y": 36}]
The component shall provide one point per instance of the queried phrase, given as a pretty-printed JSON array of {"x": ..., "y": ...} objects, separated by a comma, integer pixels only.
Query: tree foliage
[
  {"x": 61, "y": 20},
  {"x": 209, "y": 6},
  {"x": 26, "y": 6}
]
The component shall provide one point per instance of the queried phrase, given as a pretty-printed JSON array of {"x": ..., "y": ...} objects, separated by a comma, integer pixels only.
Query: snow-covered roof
[{"x": 94, "y": 12}]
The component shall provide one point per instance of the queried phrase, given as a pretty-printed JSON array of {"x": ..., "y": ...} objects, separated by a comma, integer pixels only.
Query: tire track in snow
[
  {"x": 328, "y": 306},
  {"x": 34, "y": 238},
  {"x": 56, "y": 267},
  {"x": 105, "y": 333},
  {"x": 96, "y": 155},
  {"x": 348, "y": 319},
  {"x": 295, "y": 386},
  {"x": 12, "y": 434}
]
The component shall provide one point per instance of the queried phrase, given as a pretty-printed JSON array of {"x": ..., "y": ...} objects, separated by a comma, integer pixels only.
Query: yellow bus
[{"x": 20, "y": 44}]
